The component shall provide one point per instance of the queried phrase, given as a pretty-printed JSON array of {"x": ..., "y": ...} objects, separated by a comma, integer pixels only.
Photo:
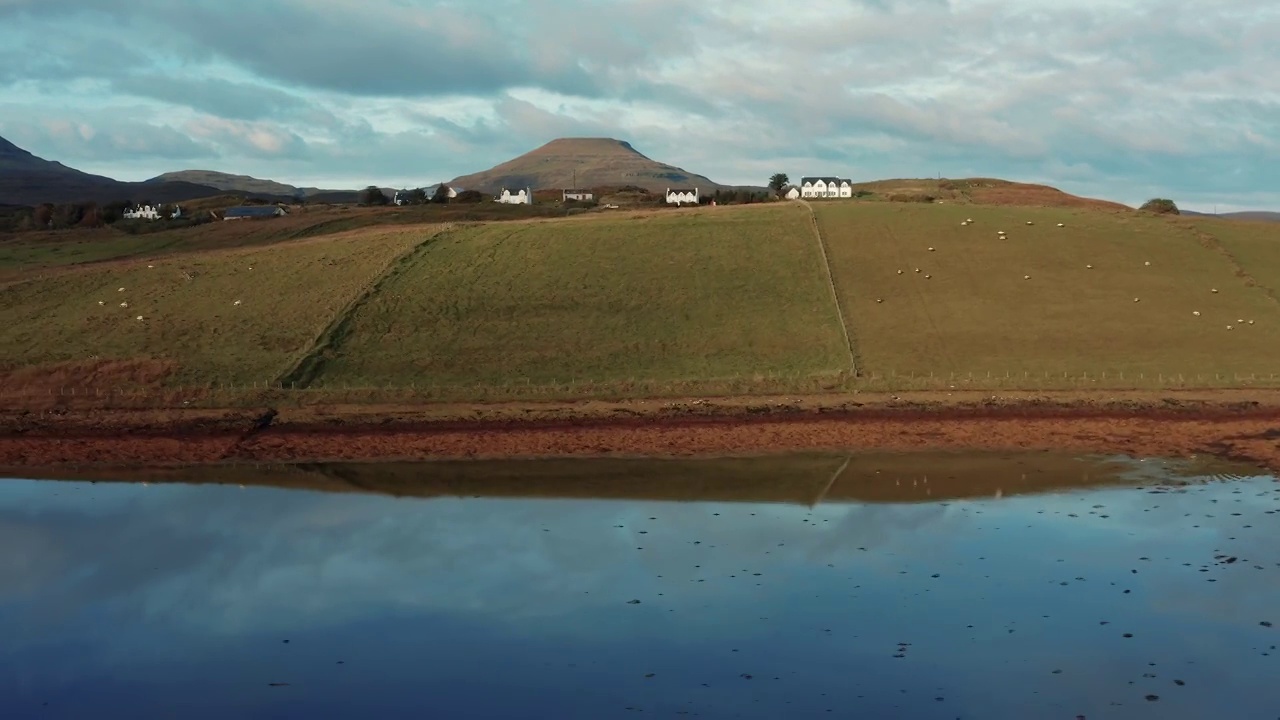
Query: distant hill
[
  {"x": 249, "y": 185},
  {"x": 588, "y": 162},
  {"x": 29, "y": 180},
  {"x": 1253, "y": 215}
]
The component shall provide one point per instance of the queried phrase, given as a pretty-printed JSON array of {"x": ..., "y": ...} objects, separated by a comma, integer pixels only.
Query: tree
[
  {"x": 372, "y": 195},
  {"x": 441, "y": 195},
  {"x": 418, "y": 196},
  {"x": 778, "y": 181},
  {"x": 469, "y": 196},
  {"x": 1161, "y": 206}
]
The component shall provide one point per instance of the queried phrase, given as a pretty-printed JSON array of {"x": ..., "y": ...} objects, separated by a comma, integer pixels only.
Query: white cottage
[
  {"x": 148, "y": 212},
  {"x": 578, "y": 194},
  {"x": 682, "y": 196},
  {"x": 826, "y": 187},
  {"x": 792, "y": 193},
  {"x": 519, "y": 197}
]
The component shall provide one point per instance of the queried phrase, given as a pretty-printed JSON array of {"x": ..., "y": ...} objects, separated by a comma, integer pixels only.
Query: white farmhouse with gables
[
  {"x": 523, "y": 196},
  {"x": 148, "y": 212},
  {"x": 826, "y": 187},
  {"x": 682, "y": 196},
  {"x": 578, "y": 194},
  {"x": 791, "y": 193}
]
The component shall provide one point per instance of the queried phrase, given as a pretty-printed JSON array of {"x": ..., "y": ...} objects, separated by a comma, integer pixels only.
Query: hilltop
[
  {"x": 26, "y": 179},
  {"x": 247, "y": 185},
  {"x": 597, "y": 162}
]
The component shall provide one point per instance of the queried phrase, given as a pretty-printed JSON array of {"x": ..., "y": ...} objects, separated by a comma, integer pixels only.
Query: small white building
[
  {"x": 682, "y": 196},
  {"x": 148, "y": 212},
  {"x": 523, "y": 196},
  {"x": 826, "y": 187},
  {"x": 578, "y": 194},
  {"x": 791, "y": 193}
]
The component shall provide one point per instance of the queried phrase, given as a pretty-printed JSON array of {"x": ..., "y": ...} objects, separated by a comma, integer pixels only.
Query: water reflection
[{"x": 214, "y": 601}]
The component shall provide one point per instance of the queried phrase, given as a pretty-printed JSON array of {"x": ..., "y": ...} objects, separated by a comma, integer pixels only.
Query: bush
[
  {"x": 1160, "y": 206},
  {"x": 469, "y": 196},
  {"x": 912, "y": 197}
]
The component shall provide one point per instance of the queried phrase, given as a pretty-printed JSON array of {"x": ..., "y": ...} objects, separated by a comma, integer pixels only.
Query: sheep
[
  {"x": 1230, "y": 327},
  {"x": 1196, "y": 313},
  {"x": 1213, "y": 290},
  {"x": 100, "y": 302},
  {"x": 151, "y": 266},
  {"x": 1147, "y": 263},
  {"x": 899, "y": 272},
  {"x": 1030, "y": 223},
  {"x": 1026, "y": 277},
  {"x": 236, "y": 302},
  {"x": 1088, "y": 267},
  {"x": 120, "y": 290},
  {"x": 917, "y": 269},
  {"x": 926, "y": 277},
  {"x": 930, "y": 249},
  {"x": 969, "y": 220},
  {"x": 1135, "y": 299},
  {"x": 1250, "y": 322},
  {"x": 139, "y": 318},
  {"x": 124, "y": 304},
  {"x": 1062, "y": 225},
  {"x": 1239, "y": 322},
  {"x": 879, "y": 300}
]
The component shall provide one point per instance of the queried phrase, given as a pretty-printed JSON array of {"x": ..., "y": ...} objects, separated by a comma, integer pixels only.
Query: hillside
[
  {"x": 26, "y": 179},
  {"x": 249, "y": 185},
  {"x": 597, "y": 162}
]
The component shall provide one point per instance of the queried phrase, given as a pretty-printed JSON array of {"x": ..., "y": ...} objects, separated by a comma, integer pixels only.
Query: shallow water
[{"x": 805, "y": 587}]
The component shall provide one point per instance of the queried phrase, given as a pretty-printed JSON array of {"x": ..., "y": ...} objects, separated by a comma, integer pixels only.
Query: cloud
[{"x": 1137, "y": 91}]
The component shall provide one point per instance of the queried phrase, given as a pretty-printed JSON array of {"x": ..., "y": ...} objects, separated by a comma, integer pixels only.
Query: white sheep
[
  {"x": 879, "y": 300},
  {"x": 1061, "y": 225},
  {"x": 930, "y": 249},
  {"x": 1214, "y": 290},
  {"x": 917, "y": 269},
  {"x": 969, "y": 220},
  {"x": 899, "y": 272},
  {"x": 1026, "y": 277},
  {"x": 1147, "y": 263},
  {"x": 1196, "y": 313},
  {"x": 236, "y": 302},
  {"x": 120, "y": 290},
  {"x": 1250, "y": 322},
  {"x": 139, "y": 318},
  {"x": 1135, "y": 299},
  {"x": 100, "y": 302},
  {"x": 926, "y": 277},
  {"x": 1088, "y": 267},
  {"x": 1029, "y": 222},
  {"x": 124, "y": 304},
  {"x": 1230, "y": 328}
]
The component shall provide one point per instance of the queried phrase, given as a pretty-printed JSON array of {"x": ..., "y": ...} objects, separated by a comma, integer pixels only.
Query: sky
[{"x": 1119, "y": 99}]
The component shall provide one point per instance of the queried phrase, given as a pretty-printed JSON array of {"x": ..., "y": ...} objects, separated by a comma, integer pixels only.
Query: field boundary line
[
  {"x": 831, "y": 283},
  {"x": 312, "y": 362},
  {"x": 1211, "y": 242}
]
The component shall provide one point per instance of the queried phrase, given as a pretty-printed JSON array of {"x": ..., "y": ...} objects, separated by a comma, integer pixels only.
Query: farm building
[
  {"x": 791, "y": 192},
  {"x": 148, "y": 212},
  {"x": 519, "y": 197},
  {"x": 246, "y": 212},
  {"x": 682, "y": 196},
  {"x": 826, "y": 187},
  {"x": 572, "y": 194}
]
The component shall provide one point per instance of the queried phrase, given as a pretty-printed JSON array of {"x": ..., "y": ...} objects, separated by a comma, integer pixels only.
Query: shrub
[{"x": 1160, "y": 206}]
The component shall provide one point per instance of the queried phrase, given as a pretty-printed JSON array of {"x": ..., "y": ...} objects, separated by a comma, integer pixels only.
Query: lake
[{"x": 907, "y": 586}]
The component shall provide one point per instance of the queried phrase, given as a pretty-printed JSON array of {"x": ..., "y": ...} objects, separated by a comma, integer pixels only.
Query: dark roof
[
  {"x": 252, "y": 211},
  {"x": 682, "y": 190},
  {"x": 579, "y": 191},
  {"x": 827, "y": 180}
]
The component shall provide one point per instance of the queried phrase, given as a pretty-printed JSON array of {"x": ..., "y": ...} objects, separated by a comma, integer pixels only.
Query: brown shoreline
[{"x": 1240, "y": 425}]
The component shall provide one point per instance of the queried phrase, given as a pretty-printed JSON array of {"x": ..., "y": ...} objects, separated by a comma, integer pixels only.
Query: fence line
[{"x": 237, "y": 392}]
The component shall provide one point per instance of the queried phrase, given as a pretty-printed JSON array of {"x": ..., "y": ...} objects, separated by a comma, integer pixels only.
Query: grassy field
[
  {"x": 361, "y": 307},
  {"x": 972, "y": 309},
  {"x": 703, "y": 294},
  {"x": 192, "y": 331}
]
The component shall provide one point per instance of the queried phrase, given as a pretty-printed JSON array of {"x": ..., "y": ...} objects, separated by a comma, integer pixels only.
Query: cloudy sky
[{"x": 1122, "y": 99}]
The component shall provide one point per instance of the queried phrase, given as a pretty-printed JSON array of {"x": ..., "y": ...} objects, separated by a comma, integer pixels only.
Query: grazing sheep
[
  {"x": 124, "y": 304},
  {"x": 1196, "y": 313},
  {"x": 1230, "y": 327},
  {"x": 1135, "y": 299},
  {"x": 930, "y": 249},
  {"x": 120, "y": 290},
  {"x": 101, "y": 302},
  {"x": 1026, "y": 277},
  {"x": 879, "y": 300},
  {"x": 1147, "y": 263},
  {"x": 1088, "y": 267},
  {"x": 969, "y": 220},
  {"x": 151, "y": 266},
  {"x": 1061, "y": 225},
  {"x": 1029, "y": 222},
  {"x": 899, "y": 272},
  {"x": 917, "y": 269},
  {"x": 1250, "y": 322},
  {"x": 236, "y": 302},
  {"x": 1214, "y": 290},
  {"x": 139, "y": 317},
  {"x": 926, "y": 277}
]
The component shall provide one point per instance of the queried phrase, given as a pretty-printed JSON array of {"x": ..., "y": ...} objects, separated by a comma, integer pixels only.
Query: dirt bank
[{"x": 1240, "y": 425}]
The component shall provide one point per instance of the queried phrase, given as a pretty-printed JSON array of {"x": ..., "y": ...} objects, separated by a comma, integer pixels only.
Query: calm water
[{"x": 927, "y": 586}]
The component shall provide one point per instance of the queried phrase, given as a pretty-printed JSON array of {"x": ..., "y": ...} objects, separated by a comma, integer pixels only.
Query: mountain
[
  {"x": 1254, "y": 215},
  {"x": 584, "y": 162},
  {"x": 243, "y": 184},
  {"x": 29, "y": 180}
]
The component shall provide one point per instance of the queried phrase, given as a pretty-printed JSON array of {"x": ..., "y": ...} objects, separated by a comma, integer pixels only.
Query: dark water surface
[{"x": 930, "y": 586}]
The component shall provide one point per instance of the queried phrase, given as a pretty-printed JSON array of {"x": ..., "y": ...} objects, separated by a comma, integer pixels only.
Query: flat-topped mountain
[{"x": 583, "y": 162}]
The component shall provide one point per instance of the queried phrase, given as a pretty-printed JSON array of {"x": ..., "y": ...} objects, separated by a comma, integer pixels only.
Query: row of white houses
[
  {"x": 148, "y": 212},
  {"x": 820, "y": 187}
]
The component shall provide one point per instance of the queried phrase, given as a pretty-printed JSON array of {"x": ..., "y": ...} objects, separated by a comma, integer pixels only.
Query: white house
[
  {"x": 148, "y": 212},
  {"x": 826, "y": 187},
  {"x": 792, "y": 193},
  {"x": 520, "y": 197},
  {"x": 573, "y": 194},
  {"x": 682, "y": 196}
]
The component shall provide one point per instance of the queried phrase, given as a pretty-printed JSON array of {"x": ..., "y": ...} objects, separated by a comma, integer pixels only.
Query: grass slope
[
  {"x": 693, "y": 295},
  {"x": 977, "y": 314},
  {"x": 289, "y": 294}
]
